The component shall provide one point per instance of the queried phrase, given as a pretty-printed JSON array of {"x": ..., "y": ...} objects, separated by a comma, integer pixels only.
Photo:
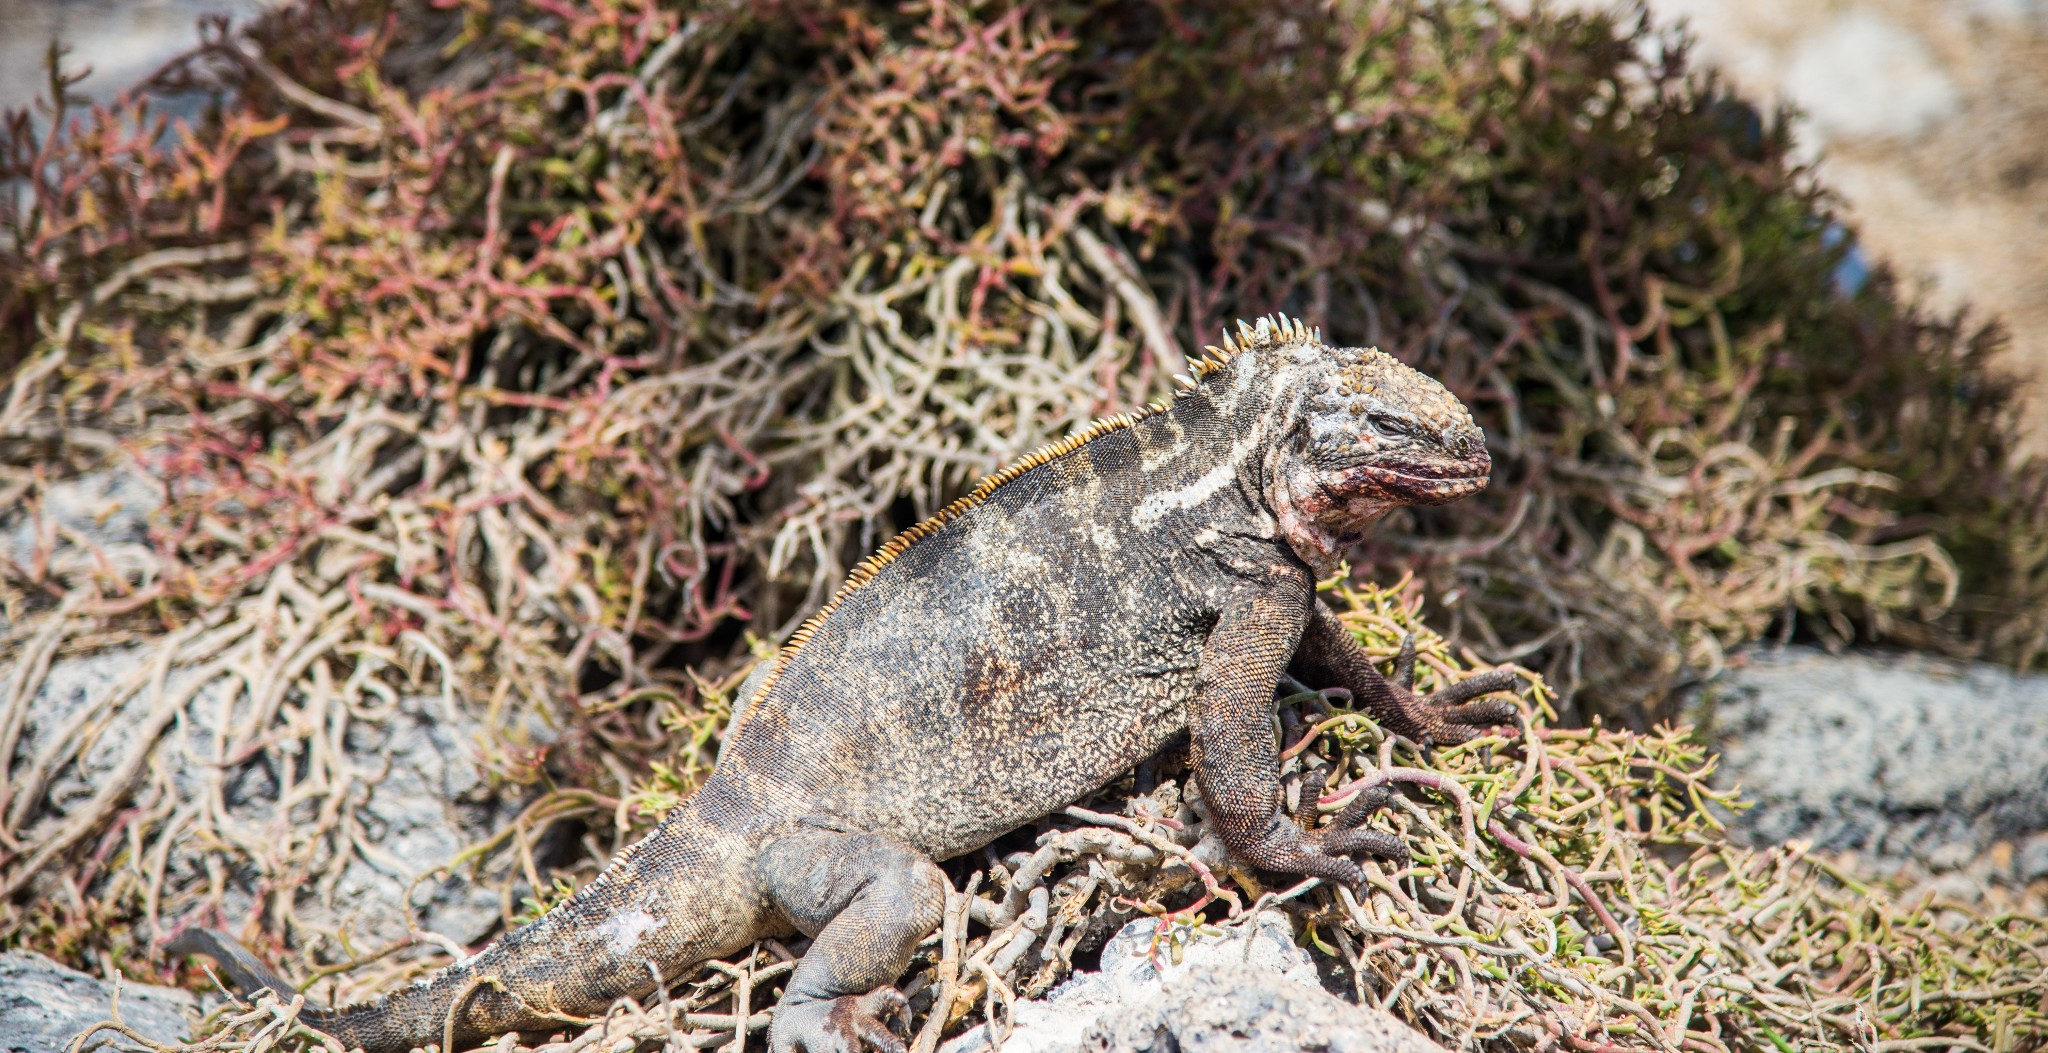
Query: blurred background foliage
[{"x": 740, "y": 290}]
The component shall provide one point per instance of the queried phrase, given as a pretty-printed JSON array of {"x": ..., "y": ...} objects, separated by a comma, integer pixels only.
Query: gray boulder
[
  {"x": 427, "y": 802},
  {"x": 44, "y": 1007},
  {"x": 1900, "y": 758},
  {"x": 427, "y": 798},
  {"x": 1246, "y": 991},
  {"x": 107, "y": 509}
]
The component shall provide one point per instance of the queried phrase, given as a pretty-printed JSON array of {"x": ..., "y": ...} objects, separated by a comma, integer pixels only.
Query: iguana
[{"x": 1152, "y": 574}]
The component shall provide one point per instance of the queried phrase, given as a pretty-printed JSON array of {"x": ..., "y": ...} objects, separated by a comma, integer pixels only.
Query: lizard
[{"x": 1152, "y": 574}]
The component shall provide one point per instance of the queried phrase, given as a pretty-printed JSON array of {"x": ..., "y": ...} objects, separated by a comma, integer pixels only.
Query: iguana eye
[{"x": 1387, "y": 424}]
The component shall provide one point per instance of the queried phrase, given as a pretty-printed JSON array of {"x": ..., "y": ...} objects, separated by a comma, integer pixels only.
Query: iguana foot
[
  {"x": 1289, "y": 849},
  {"x": 1450, "y": 715},
  {"x": 1328, "y": 654},
  {"x": 867, "y": 899},
  {"x": 846, "y": 1024}
]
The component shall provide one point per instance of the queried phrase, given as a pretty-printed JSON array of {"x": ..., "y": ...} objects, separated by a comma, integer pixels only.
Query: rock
[
  {"x": 43, "y": 1006},
  {"x": 1248, "y": 991},
  {"x": 108, "y": 509},
  {"x": 1862, "y": 75},
  {"x": 432, "y": 803},
  {"x": 427, "y": 799},
  {"x": 120, "y": 41},
  {"x": 425, "y": 802},
  {"x": 1241, "y": 1009},
  {"x": 1896, "y": 757},
  {"x": 2021, "y": 14},
  {"x": 2030, "y": 862}
]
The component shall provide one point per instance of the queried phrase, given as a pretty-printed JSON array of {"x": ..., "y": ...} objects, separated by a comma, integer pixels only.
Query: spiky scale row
[{"x": 1274, "y": 330}]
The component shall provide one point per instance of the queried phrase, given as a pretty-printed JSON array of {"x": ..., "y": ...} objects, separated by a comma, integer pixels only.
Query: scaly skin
[{"x": 1014, "y": 655}]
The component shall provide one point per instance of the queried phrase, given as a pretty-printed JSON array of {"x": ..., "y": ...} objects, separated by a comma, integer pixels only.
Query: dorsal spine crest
[{"x": 1274, "y": 330}]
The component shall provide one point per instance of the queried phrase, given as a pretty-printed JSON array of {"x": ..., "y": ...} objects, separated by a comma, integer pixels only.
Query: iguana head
[
  {"x": 1358, "y": 434},
  {"x": 1378, "y": 430}
]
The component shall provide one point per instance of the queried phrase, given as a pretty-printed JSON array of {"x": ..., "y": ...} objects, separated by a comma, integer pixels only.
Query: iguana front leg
[
  {"x": 1328, "y": 654},
  {"x": 1236, "y": 757}
]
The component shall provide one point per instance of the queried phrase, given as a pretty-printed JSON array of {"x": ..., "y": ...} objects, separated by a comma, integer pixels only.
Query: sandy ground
[
  {"x": 1928, "y": 117},
  {"x": 121, "y": 41}
]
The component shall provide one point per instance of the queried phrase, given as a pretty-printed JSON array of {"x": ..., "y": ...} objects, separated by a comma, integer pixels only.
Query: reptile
[{"x": 1152, "y": 574}]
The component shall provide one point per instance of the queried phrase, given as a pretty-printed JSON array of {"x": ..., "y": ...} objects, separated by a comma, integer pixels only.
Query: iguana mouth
[
  {"x": 1479, "y": 478},
  {"x": 1412, "y": 488}
]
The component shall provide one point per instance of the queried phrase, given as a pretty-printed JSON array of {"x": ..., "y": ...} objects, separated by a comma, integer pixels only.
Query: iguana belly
[{"x": 959, "y": 793}]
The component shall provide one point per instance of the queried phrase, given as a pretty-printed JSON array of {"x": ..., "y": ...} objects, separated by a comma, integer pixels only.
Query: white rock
[
  {"x": 1863, "y": 76},
  {"x": 43, "y": 1006},
  {"x": 109, "y": 509},
  {"x": 2019, "y": 11},
  {"x": 1247, "y": 990},
  {"x": 425, "y": 802}
]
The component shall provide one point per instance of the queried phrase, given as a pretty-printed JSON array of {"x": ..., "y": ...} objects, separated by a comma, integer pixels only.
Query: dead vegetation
[{"x": 1569, "y": 889}]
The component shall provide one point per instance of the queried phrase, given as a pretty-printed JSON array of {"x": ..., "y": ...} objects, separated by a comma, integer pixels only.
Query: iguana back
[{"x": 1016, "y": 659}]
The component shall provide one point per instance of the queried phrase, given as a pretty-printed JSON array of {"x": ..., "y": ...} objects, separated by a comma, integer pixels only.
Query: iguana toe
[
  {"x": 1333, "y": 868},
  {"x": 1449, "y": 715},
  {"x": 1372, "y": 842},
  {"x": 1288, "y": 849},
  {"x": 1458, "y": 719},
  {"x": 847, "y": 1024},
  {"x": 1345, "y": 834},
  {"x": 1363, "y": 804}
]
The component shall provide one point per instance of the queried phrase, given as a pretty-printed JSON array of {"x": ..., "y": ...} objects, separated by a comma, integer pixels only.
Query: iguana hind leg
[{"x": 866, "y": 900}]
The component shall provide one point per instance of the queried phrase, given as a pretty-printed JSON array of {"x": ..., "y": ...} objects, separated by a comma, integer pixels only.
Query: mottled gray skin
[{"x": 1027, "y": 650}]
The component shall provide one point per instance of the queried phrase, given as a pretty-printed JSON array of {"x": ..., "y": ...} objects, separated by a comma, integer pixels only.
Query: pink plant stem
[
  {"x": 1572, "y": 877},
  {"x": 1451, "y": 788}
]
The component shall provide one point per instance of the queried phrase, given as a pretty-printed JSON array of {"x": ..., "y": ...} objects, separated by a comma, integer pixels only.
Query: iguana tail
[
  {"x": 431, "y": 1013},
  {"x": 674, "y": 899}
]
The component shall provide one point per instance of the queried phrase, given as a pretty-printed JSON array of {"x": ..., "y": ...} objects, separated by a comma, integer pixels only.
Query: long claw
[
  {"x": 1404, "y": 664},
  {"x": 877, "y": 1035},
  {"x": 888, "y": 1005},
  {"x": 1474, "y": 686},
  {"x": 1372, "y": 842},
  {"x": 1480, "y": 714},
  {"x": 1458, "y": 719}
]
